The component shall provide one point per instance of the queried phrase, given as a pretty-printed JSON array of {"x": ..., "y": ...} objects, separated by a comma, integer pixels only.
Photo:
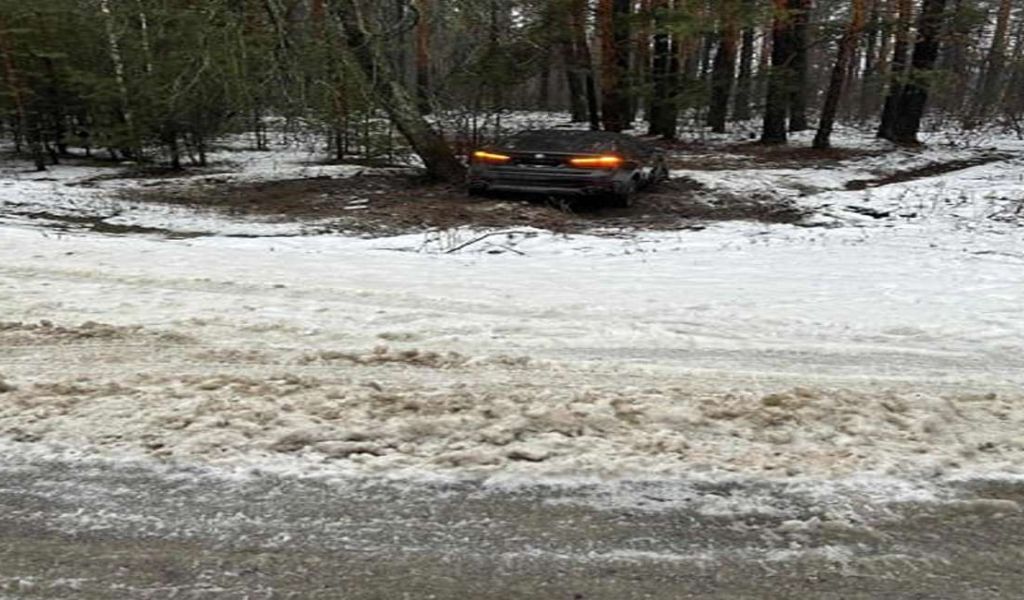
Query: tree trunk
[
  {"x": 25, "y": 129},
  {"x": 780, "y": 80},
  {"x": 575, "y": 71},
  {"x": 613, "y": 23},
  {"x": 423, "y": 84},
  {"x": 801, "y": 15},
  {"x": 724, "y": 69},
  {"x": 55, "y": 107},
  {"x": 581, "y": 65},
  {"x": 590, "y": 87},
  {"x": 641, "y": 66},
  {"x": 707, "y": 53},
  {"x": 147, "y": 52},
  {"x": 577, "y": 96},
  {"x": 688, "y": 52},
  {"x": 173, "y": 149},
  {"x": 394, "y": 97},
  {"x": 764, "y": 61},
  {"x": 953, "y": 62},
  {"x": 544, "y": 82},
  {"x": 114, "y": 52},
  {"x": 872, "y": 16},
  {"x": 873, "y": 62},
  {"x": 898, "y": 69},
  {"x": 847, "y": 48},
  {"x": 910, "y": 108},
  {"x": 995, "y": 64},
  {"x": 664, "y": 75},
  {"x": 745, "y": 81},
  {"x": 1014, "y": 103}
]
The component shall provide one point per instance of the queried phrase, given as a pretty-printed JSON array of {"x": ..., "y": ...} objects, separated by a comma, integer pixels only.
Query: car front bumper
[{"x": 542, "y": 180}]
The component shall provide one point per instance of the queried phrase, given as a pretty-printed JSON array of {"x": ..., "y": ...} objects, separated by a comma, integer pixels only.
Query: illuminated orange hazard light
[
  {"x": 490, "y": 157},
  {"x": 597, "y": 162}
]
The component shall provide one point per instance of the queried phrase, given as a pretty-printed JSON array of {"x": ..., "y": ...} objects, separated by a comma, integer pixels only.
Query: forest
[{"x": 161, "y": 80}]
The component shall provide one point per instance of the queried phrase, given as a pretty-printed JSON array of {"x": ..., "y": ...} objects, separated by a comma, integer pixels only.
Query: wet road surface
[{"x": 88, "y": 530}]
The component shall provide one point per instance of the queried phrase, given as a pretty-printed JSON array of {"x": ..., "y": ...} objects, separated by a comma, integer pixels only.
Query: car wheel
[
  {"x": 624, "y": 197},
  {"x": 658, "y": 175}
]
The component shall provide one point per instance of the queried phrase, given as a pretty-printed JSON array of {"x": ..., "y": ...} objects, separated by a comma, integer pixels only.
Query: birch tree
[{"x": 134, "y": 145}]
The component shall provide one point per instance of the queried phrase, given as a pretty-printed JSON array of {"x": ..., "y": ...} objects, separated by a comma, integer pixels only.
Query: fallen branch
[{"x": 484, "y": 237}]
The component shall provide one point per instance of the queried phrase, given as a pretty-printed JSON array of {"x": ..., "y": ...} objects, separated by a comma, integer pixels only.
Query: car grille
[{"x": 534, "y": 161}]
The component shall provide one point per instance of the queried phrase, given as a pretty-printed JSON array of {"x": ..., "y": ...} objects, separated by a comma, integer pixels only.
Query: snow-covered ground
[{"x": 886, "y": 346}]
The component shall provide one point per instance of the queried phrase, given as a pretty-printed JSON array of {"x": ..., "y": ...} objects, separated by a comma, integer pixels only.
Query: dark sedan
[{"x": 612, "y": 166}]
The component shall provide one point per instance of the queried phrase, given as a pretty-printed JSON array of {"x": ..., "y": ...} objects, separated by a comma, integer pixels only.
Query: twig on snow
[{"x": 481, "y": 238}]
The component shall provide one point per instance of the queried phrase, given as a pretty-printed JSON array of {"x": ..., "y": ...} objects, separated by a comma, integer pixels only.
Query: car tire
[{"x": 624, "y": 197}]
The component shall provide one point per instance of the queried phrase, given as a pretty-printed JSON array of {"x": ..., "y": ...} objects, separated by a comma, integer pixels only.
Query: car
[{"x": 558, "y": 162}]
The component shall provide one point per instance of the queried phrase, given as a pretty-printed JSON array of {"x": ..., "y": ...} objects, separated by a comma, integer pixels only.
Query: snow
[
  {"x": 82, "y": 192},
  {"x": 882, "y": 347}
]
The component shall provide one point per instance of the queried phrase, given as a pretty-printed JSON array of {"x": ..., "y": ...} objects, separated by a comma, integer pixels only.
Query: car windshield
[{"x": 563, "y": 141}]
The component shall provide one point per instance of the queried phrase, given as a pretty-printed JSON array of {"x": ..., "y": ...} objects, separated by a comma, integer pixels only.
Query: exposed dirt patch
[
  {"x": 393, "y": 203},
  {"x": 384, "y": 355},
  {"x": 100, "y": 224},
  {"x": 16, "y": 333},
  {"x": 932, "y": 170}
]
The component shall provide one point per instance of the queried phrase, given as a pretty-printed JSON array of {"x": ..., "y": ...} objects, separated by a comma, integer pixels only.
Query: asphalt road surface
[{"x": 87, "y": 530}]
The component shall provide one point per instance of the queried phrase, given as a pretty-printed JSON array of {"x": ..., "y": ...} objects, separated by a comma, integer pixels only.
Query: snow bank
[{"x": 386, "y": 418}]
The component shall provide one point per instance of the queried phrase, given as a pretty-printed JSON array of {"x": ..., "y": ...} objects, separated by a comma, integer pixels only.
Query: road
[{"x": 94, "y": 530}]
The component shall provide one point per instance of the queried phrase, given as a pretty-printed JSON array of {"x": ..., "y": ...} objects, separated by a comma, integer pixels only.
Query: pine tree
[
  {"x": 613, "y": 26},
  {"x": 910, "y": 106},
  {"x": 785, "y": 45},
  {"x": 847, "y": 48},
  {"x": 724, "y": 67}
]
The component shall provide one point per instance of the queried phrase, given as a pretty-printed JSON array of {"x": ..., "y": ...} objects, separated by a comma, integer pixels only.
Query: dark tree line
[{"x": 161, "y": 80}]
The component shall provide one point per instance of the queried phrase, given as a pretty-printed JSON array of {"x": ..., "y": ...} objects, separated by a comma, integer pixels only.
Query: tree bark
[
  {"x": 764, "y": 60},
  {"x": 898, "y": 69},
  {"x": 423, "y": 83},
  {"x": 745, "y": 81},
  {"x": 544, "y": 82},
  {"x": 847, "y": 48},
  {"x": 577, "y": 96},
  {"x": 147, "y": 52},
  {"x": 114, "y": 52},
  {"x": 801, "y": 15},
  {"x": 995, "y": 63},
  {"x": 613, "y": 23},
  {"x": 723, "y": 72},
  {"x": 581, "y": 65},
  {"x": 394, "y": 97},
  {"x": 780, "y": 80},
  {"x": 1014, "y": 103},
  {"x": 640, "y": 69},
  {"x": 664, "y": 75},
  {"x": 26, "y": 130},
  {"x": 575, "y": 71},
  {"x": 911, "y": 105},
  {"x": 954, "y": 62},
  {"x": 873, "y": 60}
]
